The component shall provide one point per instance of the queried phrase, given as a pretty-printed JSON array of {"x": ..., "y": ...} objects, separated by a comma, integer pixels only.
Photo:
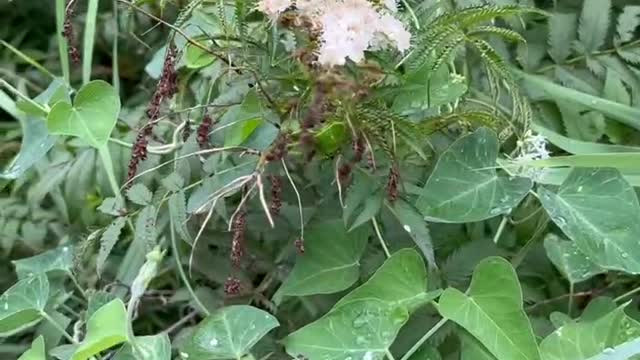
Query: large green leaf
[
  {"x": 22, "y": 304},
  {"x": 92, "y": 116},
  {"x": 36, "y": 140},
  {"x": 157, "y": 347},
  {"x": 331, "y": 261},
  {"x": 364, "y": 323},
  {"x": 492, "y": 311},
  {"x": 562, "y": 31},
  {"x": 106, "y": 328},
  {"x": 580, "y": 340},
  {"x": 36, "y": 352},
  {"x": 569, "y": 260},
  {"x": 229, "y": 333},
  {"x": 472, "y": 349},
  {"x": 599, "y": 211},
  {"x": 624, "y": 351},
  {"x": 60, "y": 259},
  {"x": 465, "y": 186},
  {"x": 594, "y": 24}
]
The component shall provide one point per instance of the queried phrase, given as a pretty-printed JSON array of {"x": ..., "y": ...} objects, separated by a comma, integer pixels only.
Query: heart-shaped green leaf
[
  {"x": 106, "y": 328},
  {"x": 60, "y": 259},
  {"x": 580, "y": 340},
  {"x": 364, "y": 323},
  {"x": 331, "y": 262},
  {"x": 21, "y": 306},
  {"x": 571, "y": 262},
  {"x": 492, "y": 311},
  {"x": 36, "y": 140},
  {"x": 92, "y": 116},
  {"x": 36, "y": 352},
  {"x": 465, "y": 186},
  {"x": 229, "y": 333},
  {"x": 599, "y": 211},
  {"x": 157, "y": 347}
]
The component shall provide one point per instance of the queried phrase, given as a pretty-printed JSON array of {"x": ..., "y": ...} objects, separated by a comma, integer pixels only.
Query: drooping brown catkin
[
  {"x": 166, "y": 88},
  {"x": 68, "y": 32},
  {"x": 393, "y": 182},
  {"x": 299, "y": 244},
  {"x": 237, "y": 243},
  {"x": 232, "y": 286},
  {"x": 203, "y": 132},
  {"x": 279, "y": 149},
  {"x": 276, "y": 195}
]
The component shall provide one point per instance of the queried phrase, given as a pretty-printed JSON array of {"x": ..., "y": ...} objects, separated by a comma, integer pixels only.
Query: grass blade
[
  {"x": 27, "y": 59},
  {"x": 89, "y": 40},
  {"x": 574, "y": 146},
  {"x": 622, "y": 113},
  {"x": 628, "y": 161}
]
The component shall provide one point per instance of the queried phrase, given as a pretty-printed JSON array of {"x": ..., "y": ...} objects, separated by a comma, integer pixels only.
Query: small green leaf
[
  {"x": 196, "y": 58},
  {"x": 146, "y": 232},
  {"x": 331, "y": 261},
  {"x": 594, "y": 24},
  {"x": 492, "y": 311},
  {"x": 111, "y": 206},
  {"x": 465, "y": 187},
  {"x": 331, "y": 137},
  {"x": 36, "y": 352},
  {"x": 598, "y": 210},
  {"x": 364, "y": 323},
  {"x": 60, "y": 259},
  {"x": 628, "y": 21},
  {"x": 106, "y": 328},
  {"x": 140, "y": 194},
  {"x": 562, "y": 31},
  {"x": 178, "y": 214},
  {"x": 157, "y": 347},
  {"x": 359, "y": 204},
  {"x": 569, "y": 260},
  {"x": 229, "y": 333},
  {"x": 92, "y": 116},
  {"x": 22, "y": 304},
  {"x": 108, "y": 240},
  {"x": 417, "y": 228}
]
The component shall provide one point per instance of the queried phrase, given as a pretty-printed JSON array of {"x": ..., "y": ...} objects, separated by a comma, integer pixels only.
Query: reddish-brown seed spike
[
  {"x": 237, "y": 242},
  {"x": 392, "y": 183},
  {"x": 276, "y": 195},
  {"x": 358, "y": 149},
  {"x": 232, "y": 286},
  {"x": 203, "y": 132},
  {"x": 344, "y": 171},
  {"x": 299, "y": 243},
  {"x": 186, "y": 131}
]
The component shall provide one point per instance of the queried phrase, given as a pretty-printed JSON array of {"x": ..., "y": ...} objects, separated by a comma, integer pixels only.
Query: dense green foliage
[{"x": 181, "y": 180}]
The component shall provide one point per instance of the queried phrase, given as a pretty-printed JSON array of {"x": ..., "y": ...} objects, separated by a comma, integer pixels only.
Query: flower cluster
[
  {"x": 532, "y": 147},
  {"x": 348, "y": 27}
]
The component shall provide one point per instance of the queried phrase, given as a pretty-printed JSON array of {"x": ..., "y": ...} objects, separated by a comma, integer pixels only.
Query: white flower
[
  {"x": 532, "y": 147},
  {"x": 348, "y": 27},
  {"x": 392, "y": 5},
  {"x": 273, "y": 8}
]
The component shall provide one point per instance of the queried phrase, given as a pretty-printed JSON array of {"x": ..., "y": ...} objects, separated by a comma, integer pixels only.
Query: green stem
[
  {"x": 115, "y": 62},
  {"x": 183, "y": 276},
  {"x": 58, "y": 327},
  {"x": 380, "y": 238},
  {"x": 105, "y": 156},
  {"x": 627, "y": 294},
  {"x": 570, "y": 305},
  {"x": 503, "y": 223},
  {"x": 77, "y": 285},
  {"x": 593, "y": 54},
  {"x": 424, "y": 339},
  {"x": 22, "y": 96},
  {"x": 63, "y": 47}
]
